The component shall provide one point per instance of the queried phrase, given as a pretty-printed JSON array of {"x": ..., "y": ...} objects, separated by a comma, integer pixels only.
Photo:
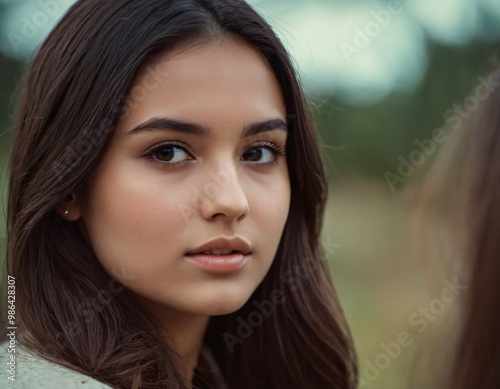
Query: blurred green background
[{"x": 379, "y": 76}]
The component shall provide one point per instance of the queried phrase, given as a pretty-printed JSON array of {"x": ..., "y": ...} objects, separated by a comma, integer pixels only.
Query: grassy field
[{"x": 391, "y": 296}]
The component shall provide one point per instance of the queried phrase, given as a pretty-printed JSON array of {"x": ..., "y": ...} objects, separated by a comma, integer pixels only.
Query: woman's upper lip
[{"x": 234, "y": 244}]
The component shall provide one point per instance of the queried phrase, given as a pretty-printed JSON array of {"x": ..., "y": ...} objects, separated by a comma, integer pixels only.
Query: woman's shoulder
[{"x": 24, "y": 370}]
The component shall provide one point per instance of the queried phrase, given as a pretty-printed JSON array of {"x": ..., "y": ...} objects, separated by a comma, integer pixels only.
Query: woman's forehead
[{"x": 220, "y": 81}]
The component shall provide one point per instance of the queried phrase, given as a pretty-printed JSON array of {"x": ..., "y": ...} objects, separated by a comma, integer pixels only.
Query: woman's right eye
[{"x": 168, "y": 155}]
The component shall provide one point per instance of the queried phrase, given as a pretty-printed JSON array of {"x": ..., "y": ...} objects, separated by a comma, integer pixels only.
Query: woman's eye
[
  {"x": 258, "y": 154},
  {"x": 168, "y": 155}
]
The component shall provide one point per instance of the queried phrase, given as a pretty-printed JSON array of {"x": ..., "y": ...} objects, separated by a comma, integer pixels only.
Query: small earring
[{"x": 66, "y": 212}]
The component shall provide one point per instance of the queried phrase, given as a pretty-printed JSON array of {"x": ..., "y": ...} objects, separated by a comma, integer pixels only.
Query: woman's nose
[{"x": 224, "y": 196}]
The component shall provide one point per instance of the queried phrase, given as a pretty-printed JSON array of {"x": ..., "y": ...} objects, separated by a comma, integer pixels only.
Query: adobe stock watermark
[
  {"x": 292, "y": 279},
  {"x": 31, "y": 28},
  {"x": 82, "y": 147},
  {"x": 363, "y": 37},
  {"x": 152, "y": 77},
  {"x": 88, "y": 139},
  {"x": 419, "y": 321},
  {"x": 210, "y": 190},
  {"x": 89, "y": 308},
  {"x": 427, "y": 147}
]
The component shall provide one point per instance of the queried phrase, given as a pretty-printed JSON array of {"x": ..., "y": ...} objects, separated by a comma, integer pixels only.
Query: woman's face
[{"x": 197, "y": 158}]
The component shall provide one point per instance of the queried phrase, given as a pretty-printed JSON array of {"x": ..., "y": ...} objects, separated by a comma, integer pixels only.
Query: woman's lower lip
[{"x": 220, "y": 263}]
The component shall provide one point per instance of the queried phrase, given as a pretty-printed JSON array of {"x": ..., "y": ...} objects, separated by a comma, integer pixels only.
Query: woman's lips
[
  {"x": 219, "y": 263},
  {"x": 222, "y": 255}
]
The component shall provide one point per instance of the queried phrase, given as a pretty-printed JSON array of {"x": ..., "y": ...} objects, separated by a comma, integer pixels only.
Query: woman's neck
[{"x": 184, "y": 331}]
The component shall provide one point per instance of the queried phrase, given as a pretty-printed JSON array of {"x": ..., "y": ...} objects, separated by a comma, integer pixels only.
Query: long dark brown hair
[
  {"x": 70, "y": 310},
  {"x": 464, "y": 187},
  {"x": 478, "y": 354}
]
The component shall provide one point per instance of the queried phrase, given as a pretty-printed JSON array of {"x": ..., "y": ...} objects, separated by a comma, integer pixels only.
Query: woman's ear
[{"x": 71, "y": 208}]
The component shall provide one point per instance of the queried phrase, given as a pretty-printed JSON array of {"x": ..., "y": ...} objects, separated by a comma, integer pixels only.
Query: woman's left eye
[{"x": 265, "y": 154}]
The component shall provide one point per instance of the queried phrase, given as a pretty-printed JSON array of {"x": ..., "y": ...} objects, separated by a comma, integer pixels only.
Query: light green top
[{"x": 34, "y": 372}]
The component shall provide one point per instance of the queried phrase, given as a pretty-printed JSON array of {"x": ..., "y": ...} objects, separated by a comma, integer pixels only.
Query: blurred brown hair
[
  {"x": 477, "y": 358},
  {"x": 463, "y": 187}
]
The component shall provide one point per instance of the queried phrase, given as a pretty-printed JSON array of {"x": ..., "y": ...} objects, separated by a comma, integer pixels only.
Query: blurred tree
[
  {"x": 10, "y": 73},
  {"x": 373, "y": 137}
]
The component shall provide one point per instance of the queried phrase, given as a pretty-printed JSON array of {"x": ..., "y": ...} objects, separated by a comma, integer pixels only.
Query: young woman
[{"x": 165, "y": 204}]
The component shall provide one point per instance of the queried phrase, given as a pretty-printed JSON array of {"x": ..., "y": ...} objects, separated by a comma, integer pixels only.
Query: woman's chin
[{"x": 219, "y": 308}]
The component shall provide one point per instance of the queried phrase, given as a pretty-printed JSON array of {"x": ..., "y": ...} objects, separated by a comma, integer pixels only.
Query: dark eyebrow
[
  {"x": 268, "y": 125},
  {"x": 203, "y": 131},
  {"x": 170, "y": 124}
]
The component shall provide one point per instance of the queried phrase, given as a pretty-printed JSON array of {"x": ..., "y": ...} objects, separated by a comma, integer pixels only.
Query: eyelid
[
  {"x": 274, "y": 146},
  {"x": 176, "y": 143}
]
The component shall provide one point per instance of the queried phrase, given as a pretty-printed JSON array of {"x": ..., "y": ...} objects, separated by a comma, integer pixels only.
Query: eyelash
[
  {"x": 277, "y": 150},
  {"x": 150, "y": 154}
]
